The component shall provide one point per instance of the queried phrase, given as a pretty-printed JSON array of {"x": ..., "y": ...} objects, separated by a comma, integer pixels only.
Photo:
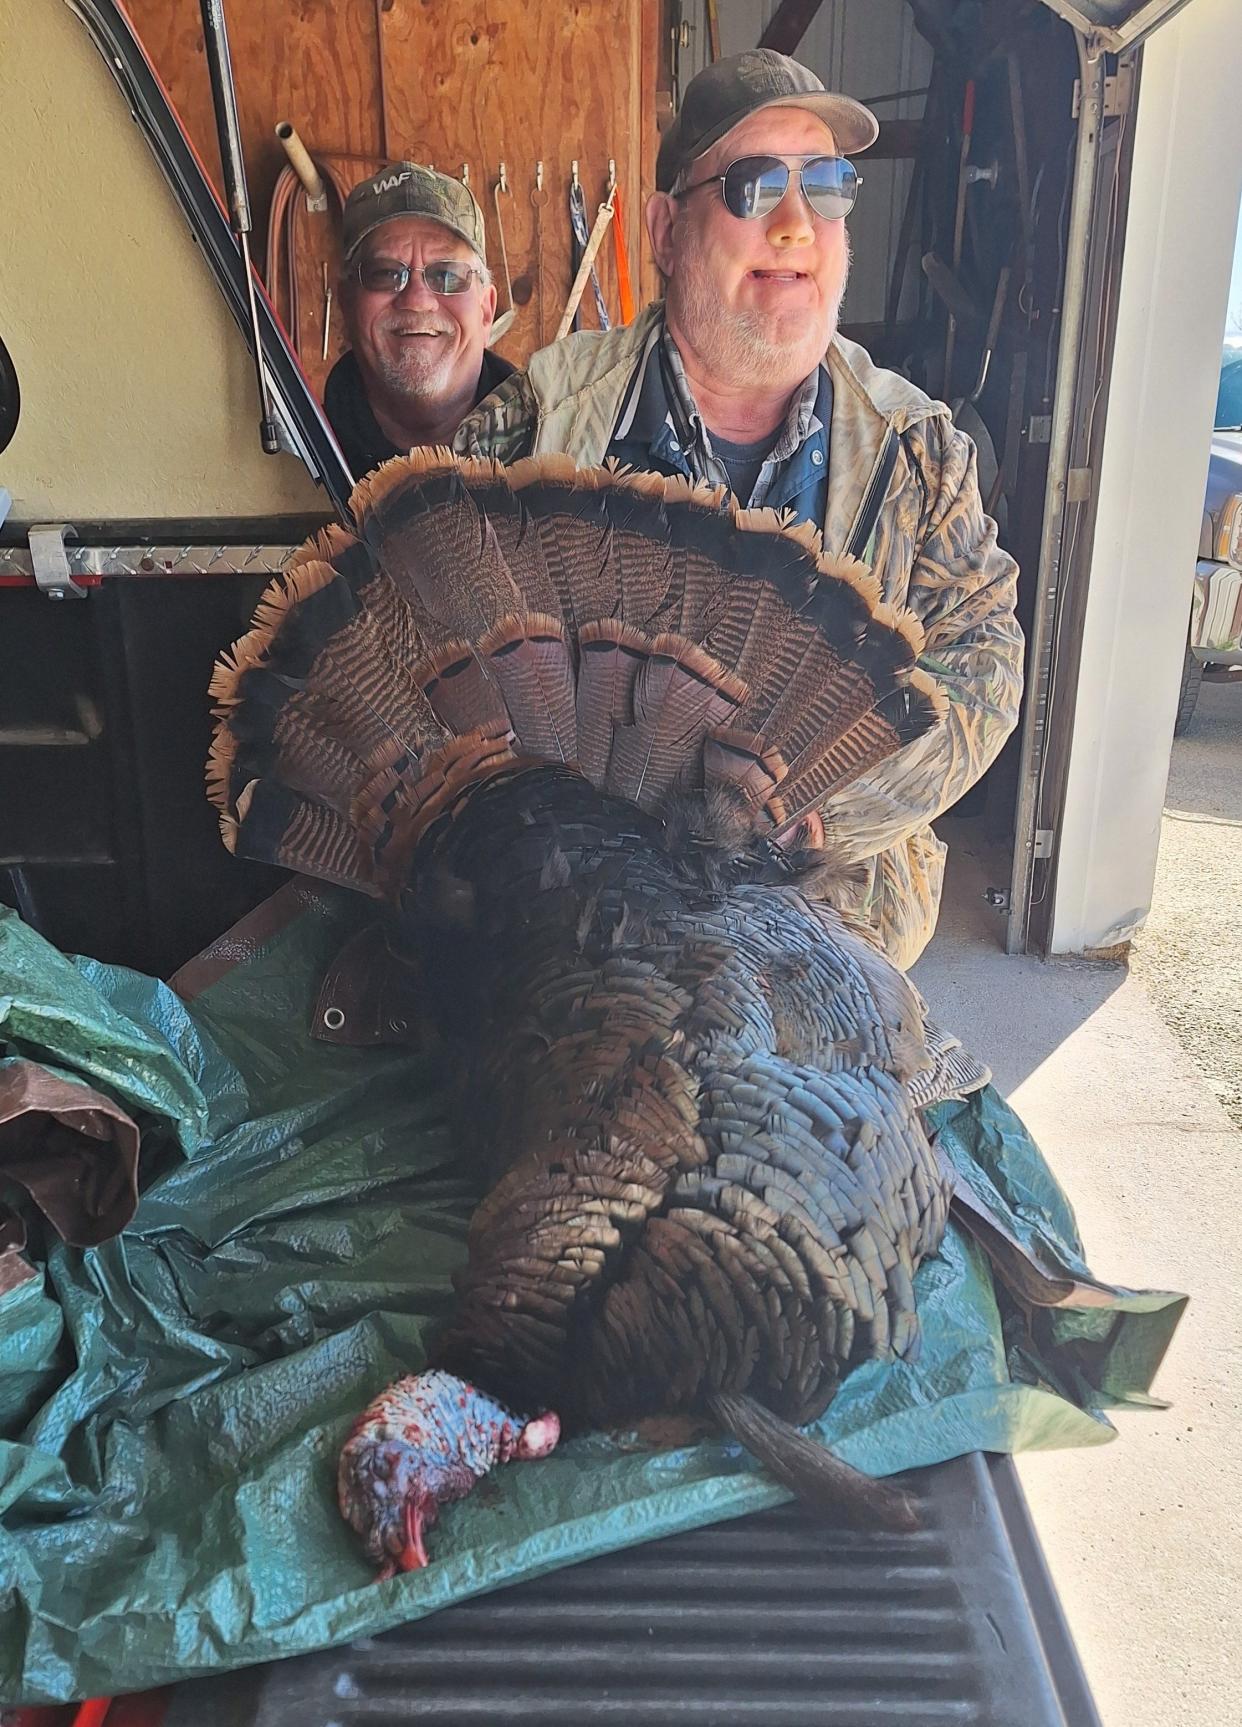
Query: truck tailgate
[{"x": 772, "y": 1618}]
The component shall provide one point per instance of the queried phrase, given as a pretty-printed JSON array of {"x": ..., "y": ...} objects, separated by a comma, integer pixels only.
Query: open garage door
[
  {"x": 1116, "y": 25},
  {"x": 1108, "y": 34}
]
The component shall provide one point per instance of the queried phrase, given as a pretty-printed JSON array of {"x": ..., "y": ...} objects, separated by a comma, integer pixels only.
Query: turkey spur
[{"x": 576, "y": 729}]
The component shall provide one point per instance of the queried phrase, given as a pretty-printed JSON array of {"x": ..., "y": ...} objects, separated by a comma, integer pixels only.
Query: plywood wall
[{"x": 460, "y": 83}]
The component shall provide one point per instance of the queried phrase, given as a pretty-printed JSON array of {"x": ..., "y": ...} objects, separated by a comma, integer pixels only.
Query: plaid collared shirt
[
  {"x": 801, "y": 422},
  {"x": 660, "y": 426}
]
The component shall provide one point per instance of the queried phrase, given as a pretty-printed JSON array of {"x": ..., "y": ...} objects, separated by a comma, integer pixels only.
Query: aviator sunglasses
[
  {"x": 386, "y": 276},
  {"x": 754, "y": 185}
]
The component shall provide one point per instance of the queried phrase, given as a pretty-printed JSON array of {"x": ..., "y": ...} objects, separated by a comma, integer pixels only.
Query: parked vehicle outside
[{"x": 1215, "y": 637}]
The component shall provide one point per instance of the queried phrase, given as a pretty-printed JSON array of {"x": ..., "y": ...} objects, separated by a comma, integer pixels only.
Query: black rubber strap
[{"x": 864, "y": 528}]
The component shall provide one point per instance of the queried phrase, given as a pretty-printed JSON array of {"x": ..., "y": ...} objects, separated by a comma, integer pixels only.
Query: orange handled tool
[{"x": 625, "y": 291}]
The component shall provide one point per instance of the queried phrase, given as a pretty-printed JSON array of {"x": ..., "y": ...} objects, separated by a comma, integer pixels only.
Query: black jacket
[{"x": 357, "y": 431}]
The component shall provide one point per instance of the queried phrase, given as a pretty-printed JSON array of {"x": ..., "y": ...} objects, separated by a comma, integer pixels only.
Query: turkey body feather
[
  {"x": 704, "y": 1172},
  {"x": 575, "y": 728}
]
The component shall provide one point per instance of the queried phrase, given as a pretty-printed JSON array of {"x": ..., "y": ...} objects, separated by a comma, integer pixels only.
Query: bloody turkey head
[{"x": 423, "y": 1443}]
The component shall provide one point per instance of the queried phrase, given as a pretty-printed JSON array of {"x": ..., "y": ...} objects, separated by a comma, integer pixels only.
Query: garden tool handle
[{"x": 593, "y": 245}]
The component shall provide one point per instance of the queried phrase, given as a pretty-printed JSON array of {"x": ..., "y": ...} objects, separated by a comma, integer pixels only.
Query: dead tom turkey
[{"x": 574, "y": 728}]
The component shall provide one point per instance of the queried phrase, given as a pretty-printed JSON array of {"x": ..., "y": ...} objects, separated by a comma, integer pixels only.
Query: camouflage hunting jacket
[{"x": 931, "y": 546}]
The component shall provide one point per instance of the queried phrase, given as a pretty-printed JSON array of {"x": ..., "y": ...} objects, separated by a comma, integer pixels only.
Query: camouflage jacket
[{"x": 932, "y": 548}]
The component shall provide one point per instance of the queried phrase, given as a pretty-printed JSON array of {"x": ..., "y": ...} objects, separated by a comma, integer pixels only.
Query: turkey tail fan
[
  {"x": 827, "y": 663},
  {"x": 565, "y": 520},
  {"x": 299, "y": 833},
  {"x": 637, "y": 629},
  {"x": 610, "y": 654},
  {"x": 810, "y": 1471},
  {"x": 743, "y": 761}
]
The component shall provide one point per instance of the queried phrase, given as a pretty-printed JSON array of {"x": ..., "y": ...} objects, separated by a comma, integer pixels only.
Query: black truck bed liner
[{"x": 772, "y": 1619}]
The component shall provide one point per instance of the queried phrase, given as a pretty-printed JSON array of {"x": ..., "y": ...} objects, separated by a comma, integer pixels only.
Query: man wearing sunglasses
[
  {"x": 739, "y": 377},
  {"x": 418, "y": 302}
]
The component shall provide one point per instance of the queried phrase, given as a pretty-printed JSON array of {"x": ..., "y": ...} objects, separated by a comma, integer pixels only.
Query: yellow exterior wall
[{"x": 138, "y": 392}]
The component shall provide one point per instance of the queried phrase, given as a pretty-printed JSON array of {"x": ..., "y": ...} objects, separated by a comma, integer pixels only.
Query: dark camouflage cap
[
  {"x": 721, "y": 96},
  {"x": 410, "y": 189}
]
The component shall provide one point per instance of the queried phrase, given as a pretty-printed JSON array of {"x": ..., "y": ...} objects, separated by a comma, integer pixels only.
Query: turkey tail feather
[
  {"x": 680, "y": 695},
  {"x": 819, "y": 1479},
  {"x": 610, "y": 656},
  {"x": 529, "y": 658}
]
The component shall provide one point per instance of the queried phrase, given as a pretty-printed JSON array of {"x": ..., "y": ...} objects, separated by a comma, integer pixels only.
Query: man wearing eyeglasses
[
  {"x": 739, "y": 377},
  {"x": 418, "y": 302}
]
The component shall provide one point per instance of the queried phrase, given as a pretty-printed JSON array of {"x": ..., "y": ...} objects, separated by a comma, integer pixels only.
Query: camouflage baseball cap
[
  {"x": 721, "y": 96},
  {"x": 409, "y": 189}
]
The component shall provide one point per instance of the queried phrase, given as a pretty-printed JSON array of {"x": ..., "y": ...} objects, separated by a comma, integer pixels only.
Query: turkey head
[{"x": 423, "y": 1443}]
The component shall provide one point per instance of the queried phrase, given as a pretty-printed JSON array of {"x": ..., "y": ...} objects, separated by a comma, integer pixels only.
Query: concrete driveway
[
  {"x": 1189, "y": 954},
  {"x": 1143, "y": 1536}
]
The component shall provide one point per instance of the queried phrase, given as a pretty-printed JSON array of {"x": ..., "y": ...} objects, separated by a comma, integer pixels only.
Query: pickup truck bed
[{"x": 772, "y": 1619}]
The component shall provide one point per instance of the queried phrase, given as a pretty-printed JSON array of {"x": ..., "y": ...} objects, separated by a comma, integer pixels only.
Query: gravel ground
[{"x": 1189, "y": 954}]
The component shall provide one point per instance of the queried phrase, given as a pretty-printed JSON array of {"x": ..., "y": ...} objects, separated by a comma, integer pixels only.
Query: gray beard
[
  {"x": 424, "y": 375},
  {"x": 747, "y": 347}
]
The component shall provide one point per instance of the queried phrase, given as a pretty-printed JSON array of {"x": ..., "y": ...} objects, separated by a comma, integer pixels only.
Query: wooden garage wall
[{"x": 452, "y": 82}]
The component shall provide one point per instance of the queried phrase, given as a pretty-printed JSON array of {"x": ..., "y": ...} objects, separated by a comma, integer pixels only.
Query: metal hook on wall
[
  {"x": 539, "y": 176},
  {"x": 465, "y": 173},
  {"x": 612, "y": 175},
  {"x": 573, "y": 174},
  {"x": 503, "y": 181}
]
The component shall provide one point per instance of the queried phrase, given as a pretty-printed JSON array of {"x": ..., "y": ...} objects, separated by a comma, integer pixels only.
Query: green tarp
[{"x": 172, "y": 1402}]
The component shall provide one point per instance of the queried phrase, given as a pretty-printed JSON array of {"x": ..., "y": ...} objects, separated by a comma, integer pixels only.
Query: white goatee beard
[
  {"x": 424, "y": 374},
  {"x": 746, "y": 347},
  {"x": 415, "y": 368}
]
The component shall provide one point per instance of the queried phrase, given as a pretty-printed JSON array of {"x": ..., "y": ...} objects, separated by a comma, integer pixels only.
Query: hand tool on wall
[
  {"x": 680, "y": 31},
  {"x": 228, "y": 130},
  {"x": 1021, "y": 166},
  {"x": 587, "y": 268},
  {"x": 381, "y": 69},
  {"x": 713, "y": 30},
  {"x": 621, "y": 256},
  {"x": 317, "y": 185},
  {"x": 506, "y": 318},
  {"x": 327, "y": 311},
  {"x": 990, "y": 339},
  {"x": 583, "y": 251}
]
